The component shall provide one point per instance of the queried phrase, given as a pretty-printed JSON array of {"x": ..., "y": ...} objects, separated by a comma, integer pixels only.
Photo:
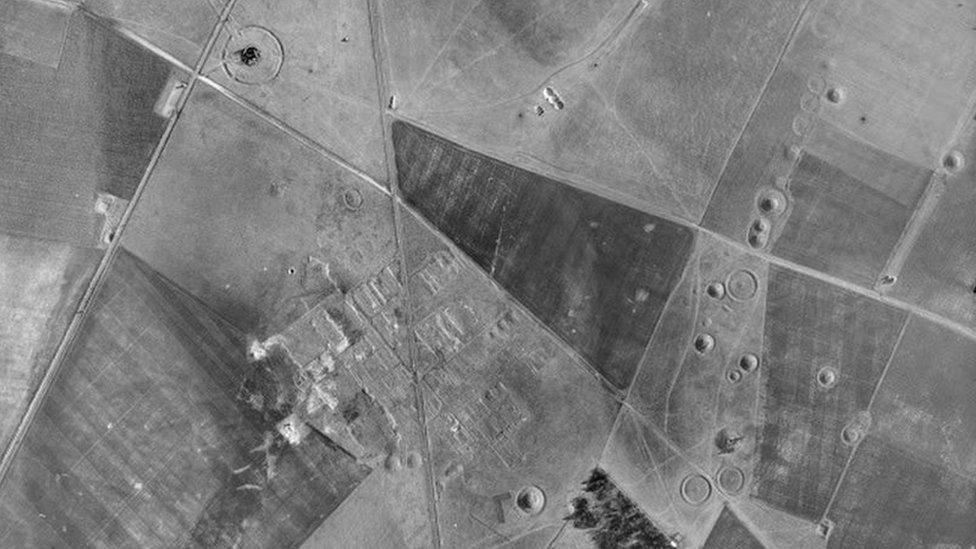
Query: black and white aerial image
[{"x": 487, "y": 274}]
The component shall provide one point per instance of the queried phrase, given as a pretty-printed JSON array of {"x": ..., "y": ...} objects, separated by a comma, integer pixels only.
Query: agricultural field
[{"x": 510, "y": 274}]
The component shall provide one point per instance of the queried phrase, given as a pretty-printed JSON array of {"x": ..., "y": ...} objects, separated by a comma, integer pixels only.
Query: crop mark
[
  {"x": 493, "y": 51},
  {"x": 655, "y": 469},
  {"x": 682, "y": 357},
  {"x": 678, "y": 454},
  {"x": 137, "y": 25},
  {"x": 598, "y": 49},
  {"x": 489, "y": 527},
  {"x": 498, "y": 242},
  {"x": 440, "y": 52},
  {"x": 642, "y": 148},
  {"x": 755, "y": 106}
]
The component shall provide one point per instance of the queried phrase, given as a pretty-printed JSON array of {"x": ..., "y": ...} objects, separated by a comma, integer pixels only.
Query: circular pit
[
  {"x": 731, "y": 480},
  {"x": 531, "y": 500},
  {"x": 252, "y": 55},
  {"x": 696, "y": 489},
  {"x": 742, "y": 285}
]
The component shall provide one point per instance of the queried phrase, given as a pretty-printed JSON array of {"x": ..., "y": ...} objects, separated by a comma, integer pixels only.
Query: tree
[{"x": 612, "y": 519}]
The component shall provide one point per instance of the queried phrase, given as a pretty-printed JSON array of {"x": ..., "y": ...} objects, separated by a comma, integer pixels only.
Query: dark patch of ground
[{"x": 612, "y": 518}]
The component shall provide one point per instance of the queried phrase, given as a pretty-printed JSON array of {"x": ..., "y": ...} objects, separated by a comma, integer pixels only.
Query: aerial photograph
[{"x": 488, "y": 274}]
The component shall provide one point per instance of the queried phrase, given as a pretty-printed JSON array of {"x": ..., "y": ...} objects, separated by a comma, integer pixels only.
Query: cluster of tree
[{"x": 612, "y": 519}]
